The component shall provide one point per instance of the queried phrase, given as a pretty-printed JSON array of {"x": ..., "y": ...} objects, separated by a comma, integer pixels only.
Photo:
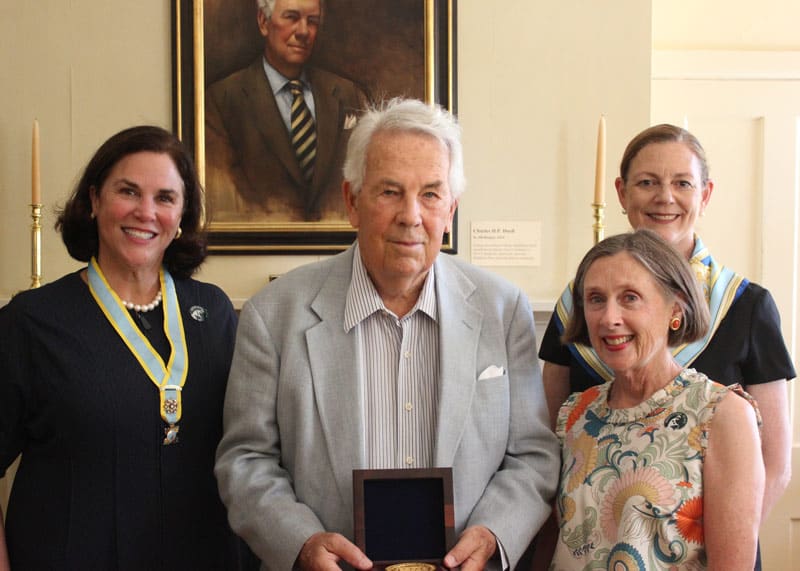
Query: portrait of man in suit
[
  {"x": 393, "y": 355},
  {"x": 276, "y": 130}
]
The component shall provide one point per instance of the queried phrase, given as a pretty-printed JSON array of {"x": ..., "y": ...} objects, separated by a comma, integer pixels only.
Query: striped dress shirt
[{"x": 398, "y": 371}]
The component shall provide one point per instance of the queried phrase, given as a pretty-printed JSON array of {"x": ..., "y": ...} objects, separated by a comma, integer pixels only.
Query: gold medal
[{"x": 411, "y": 567}]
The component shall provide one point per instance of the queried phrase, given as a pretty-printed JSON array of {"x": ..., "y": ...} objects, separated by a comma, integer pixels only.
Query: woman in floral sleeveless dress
[{"x": 661, "y": 467}]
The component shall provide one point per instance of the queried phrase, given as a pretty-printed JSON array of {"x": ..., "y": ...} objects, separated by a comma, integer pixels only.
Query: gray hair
[
  {"x": 266, "y": 6},
  {"x": 670, "y": 271},
  {"x": 405, "y": 115}
]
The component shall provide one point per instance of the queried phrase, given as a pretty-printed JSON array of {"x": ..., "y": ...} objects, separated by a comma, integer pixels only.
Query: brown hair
[
  {"x": 663, "y": 133},
  {"x": 669, "y": 269},
  {"x": 79, "y": 230}
]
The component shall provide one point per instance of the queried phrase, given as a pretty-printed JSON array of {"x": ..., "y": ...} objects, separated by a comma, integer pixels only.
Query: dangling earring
[
  {"x": 675, "y": 323},
  {"x": 624, "y": 212},
  {"x": 179, "y": 233},
  {"x": 92, "y": 215}
]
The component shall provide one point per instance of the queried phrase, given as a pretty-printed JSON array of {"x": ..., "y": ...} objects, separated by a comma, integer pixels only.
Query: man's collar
[
  {"x": 276, "y": 79},
  {"x": 363, "y": 299}
]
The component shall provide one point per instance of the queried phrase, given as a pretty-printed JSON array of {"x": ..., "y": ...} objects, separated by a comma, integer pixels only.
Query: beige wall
[
  {"x": 529, "y": 103},
  {"x": 533, "y": 79},
  {"x": 726, "y": 24},
  {"x": 742, "y": 100},
  {"x": 85, "y": 69}
]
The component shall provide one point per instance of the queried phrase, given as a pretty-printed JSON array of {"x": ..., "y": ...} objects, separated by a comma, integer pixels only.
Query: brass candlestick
[
  {"x": 598, "y": 227},
  {"x": 36, "y": 245}
]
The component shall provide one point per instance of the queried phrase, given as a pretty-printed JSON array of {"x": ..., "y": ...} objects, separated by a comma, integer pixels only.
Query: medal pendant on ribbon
[
  {"x": 170, "y": 406},
  {"x": 171, "y": 412},
  {"x": 171, "y": 434},
  {"x": 167, "y": 377}
]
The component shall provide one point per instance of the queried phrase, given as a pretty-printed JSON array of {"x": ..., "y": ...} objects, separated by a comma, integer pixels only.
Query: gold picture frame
[{"x": 411, "y": 53}]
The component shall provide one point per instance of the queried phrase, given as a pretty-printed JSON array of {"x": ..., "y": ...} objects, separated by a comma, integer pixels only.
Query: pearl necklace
[{"x": 143, "y": 308}]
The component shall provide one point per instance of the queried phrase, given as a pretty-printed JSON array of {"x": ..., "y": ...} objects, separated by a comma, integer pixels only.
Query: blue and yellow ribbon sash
[
  {"x": 721, "y": 286},
  {"x": 168, "y": 378}
]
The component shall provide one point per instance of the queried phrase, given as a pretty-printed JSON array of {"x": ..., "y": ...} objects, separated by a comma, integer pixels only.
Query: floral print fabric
[{"x": 631, "y": 491}]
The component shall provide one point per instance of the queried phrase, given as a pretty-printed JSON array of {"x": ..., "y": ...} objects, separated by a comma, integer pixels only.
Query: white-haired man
[
  {"x": 260, "y": 166},
  {"x": 388, "y": 355}
]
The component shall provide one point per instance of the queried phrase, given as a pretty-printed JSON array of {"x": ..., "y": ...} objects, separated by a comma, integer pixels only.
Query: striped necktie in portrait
[{"x": 304, "y": 134}]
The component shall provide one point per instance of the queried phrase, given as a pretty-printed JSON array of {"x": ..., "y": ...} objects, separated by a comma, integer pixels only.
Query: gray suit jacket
[
  {"x": 293, "y": 425},
  {"x": 251, "y": 168}
]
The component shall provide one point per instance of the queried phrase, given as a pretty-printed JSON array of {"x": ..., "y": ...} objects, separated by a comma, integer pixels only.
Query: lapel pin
[{"x": 198, "y": 313}]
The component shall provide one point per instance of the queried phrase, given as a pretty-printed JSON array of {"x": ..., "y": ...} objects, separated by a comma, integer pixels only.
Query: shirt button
[
  {"x": 407, "y": 354},
  {"x": 409, "y": 406},
  {"x": 409, "y": 460}
]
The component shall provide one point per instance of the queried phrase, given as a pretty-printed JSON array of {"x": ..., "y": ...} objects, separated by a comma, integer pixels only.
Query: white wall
[
  {"x": 726, "y": 25},
  {"x": 749, "y": 122},
  {"x": 533, "y": 79},
  {"x": 85, "y": 69},
  {"x": 530, "y": 102}
]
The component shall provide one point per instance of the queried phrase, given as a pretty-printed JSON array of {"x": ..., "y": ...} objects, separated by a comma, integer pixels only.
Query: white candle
[
  {"x": 600, "y": 165},
  {"x": 36, "y": 183}
]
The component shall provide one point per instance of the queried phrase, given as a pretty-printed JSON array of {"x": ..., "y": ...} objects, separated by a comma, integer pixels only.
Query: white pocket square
[
  {"x": 491, "y": 372},
  {"x": 349, "y": 122}
]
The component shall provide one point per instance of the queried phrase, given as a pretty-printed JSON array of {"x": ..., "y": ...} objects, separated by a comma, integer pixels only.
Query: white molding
[
  {"x": 543, "y": 306},
  {"x": 542, "y": 310},
  {"x": 726, "y": 65}
]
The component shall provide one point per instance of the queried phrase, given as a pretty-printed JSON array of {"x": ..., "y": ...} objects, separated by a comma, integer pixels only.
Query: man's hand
[
  {"x": 474, "y": 548},
  {"x": 324, "y": 550}
]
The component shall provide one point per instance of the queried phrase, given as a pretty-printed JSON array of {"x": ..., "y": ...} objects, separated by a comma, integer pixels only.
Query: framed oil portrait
[{"x": 257, "y": 198}]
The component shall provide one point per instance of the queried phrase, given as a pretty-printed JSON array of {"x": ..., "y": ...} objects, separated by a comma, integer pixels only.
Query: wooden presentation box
[{"x": 404, "y": 516}]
